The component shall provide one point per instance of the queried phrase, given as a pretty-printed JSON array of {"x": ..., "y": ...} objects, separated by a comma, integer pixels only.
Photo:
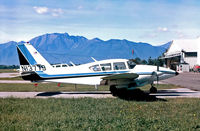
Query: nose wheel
[{"x": 153, "y": 89}]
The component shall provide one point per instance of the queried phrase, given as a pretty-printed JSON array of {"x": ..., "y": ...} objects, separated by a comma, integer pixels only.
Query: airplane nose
[{"x": 176, "y": 73}]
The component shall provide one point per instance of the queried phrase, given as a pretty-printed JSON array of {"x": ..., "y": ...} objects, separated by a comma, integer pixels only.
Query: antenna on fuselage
[
  {"x": 72, "y": 63},
  {"x": 94, "y": 59}
]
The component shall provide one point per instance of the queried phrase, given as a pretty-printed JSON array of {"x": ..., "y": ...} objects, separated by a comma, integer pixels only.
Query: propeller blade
[
  {"x": 157, "y": 80},
  {"x": 158, "y": 63}
]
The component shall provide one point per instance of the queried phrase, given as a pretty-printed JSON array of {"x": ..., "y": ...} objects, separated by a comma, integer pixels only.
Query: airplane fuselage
[{"x": 86, "y": 74}]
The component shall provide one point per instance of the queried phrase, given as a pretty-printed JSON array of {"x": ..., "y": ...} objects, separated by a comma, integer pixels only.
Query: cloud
[
  {"x": 41, "y": 10},
  {"x": 56, "y": 12},
  {"x": 44, "y": 10},
  {"x": 80, "y": 7},
  {"x": 163, "y": 29},
  {"x": 4, "y": 37}
]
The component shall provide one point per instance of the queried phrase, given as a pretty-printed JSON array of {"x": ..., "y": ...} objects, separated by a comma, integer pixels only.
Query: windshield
[
  {"x": 131, "y": 64},
  {"x": 95, "y": 68}
]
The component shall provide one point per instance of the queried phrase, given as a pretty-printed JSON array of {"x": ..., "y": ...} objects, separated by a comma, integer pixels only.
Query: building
[{"x": 183, "y": 55}]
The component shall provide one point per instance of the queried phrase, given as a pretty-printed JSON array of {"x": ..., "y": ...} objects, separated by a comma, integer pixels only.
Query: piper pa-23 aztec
[{"x": 117, "y": 73}]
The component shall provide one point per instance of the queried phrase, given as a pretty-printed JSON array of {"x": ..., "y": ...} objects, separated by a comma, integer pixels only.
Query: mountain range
[{"x": 63, "y": 48}]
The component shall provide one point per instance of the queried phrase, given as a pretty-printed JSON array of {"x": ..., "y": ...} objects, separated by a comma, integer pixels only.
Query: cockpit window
[
  {"x": 119, "y": 66},
  {"x": 131, "y": 64},
  {"x": 95, "y": 68},
  {"x": 106, "y": 67}
]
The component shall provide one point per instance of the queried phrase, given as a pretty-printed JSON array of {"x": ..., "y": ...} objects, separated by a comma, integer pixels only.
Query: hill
[{"x": 62, "y": 48}]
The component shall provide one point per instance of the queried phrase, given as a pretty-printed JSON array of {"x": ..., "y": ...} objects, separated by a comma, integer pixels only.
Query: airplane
[{"x": 117, "y": 73}]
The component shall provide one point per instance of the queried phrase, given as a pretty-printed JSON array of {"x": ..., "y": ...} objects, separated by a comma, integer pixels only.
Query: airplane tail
[{"x": 31, "y": 62}]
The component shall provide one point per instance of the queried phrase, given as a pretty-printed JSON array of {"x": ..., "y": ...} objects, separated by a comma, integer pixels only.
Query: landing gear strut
[
  {"x": 153, "y": 89},
  {"x": 113, "y": 90}
]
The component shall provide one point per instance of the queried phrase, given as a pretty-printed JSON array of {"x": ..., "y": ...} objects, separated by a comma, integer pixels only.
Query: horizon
[
  {"x": 82, "y": 36},
  {"x": 154, "y": 22}
]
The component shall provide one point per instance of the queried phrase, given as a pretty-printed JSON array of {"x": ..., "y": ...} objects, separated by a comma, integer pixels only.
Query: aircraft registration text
[{"x": 28, "y": 68}]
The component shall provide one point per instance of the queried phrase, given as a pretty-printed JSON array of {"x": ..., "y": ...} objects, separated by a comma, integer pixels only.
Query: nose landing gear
[{"x": 153, "y": 89}]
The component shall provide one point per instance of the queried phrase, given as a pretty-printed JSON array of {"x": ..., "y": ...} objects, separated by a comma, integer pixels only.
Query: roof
[{"x": 187, "y": 45}]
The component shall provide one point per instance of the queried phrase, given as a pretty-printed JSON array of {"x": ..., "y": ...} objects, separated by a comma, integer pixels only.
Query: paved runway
[
  {"x": 8, "y": 75},
  {"x": 168, "y": 93},
  {"x": 189, "y": 80},
  {"x": 177, "y": 93},
  {"x": 14, "y": 81},
  {"x": 93, "y": 94}
]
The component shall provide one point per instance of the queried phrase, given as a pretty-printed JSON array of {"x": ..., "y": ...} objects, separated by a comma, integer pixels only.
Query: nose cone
[{"x": 176, "y": 73}]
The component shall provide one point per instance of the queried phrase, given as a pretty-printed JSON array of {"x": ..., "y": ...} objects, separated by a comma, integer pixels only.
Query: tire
[
  {"x": 113, "y": 90},
  {"x": 153, "y": 90}
]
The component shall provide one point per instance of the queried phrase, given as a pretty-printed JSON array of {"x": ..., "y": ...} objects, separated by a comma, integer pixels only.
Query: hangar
[{"x": 183, "y": 54}]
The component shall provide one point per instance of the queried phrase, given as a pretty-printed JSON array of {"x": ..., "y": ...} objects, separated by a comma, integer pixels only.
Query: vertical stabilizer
[{"x": 28, "y": 55}]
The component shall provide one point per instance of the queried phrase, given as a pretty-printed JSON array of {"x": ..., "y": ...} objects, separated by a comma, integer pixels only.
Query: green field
[
  {"x": 99, "y": 114},
  {"x": 49, "y": 87}
]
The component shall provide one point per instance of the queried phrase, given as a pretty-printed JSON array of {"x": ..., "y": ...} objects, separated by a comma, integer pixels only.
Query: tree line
[
  {"x": 150, "y": 61},
  {"x": 9, "y": 66}
]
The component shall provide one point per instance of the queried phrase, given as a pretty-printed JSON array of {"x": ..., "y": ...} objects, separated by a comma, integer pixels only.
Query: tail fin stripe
[
  {"x": 27, "y": 54},
  {"x": 22, "y": 59}
]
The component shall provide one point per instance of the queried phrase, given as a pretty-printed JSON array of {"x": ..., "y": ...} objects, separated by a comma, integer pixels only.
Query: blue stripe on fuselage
[
  {"x": 168, "y": 72},
  {"x": 44, "y": 75},
  {"x": 27, "y": 54}
]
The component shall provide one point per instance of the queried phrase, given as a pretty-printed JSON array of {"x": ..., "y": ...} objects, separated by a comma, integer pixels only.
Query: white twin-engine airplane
[{"x": 118, "y": 73}]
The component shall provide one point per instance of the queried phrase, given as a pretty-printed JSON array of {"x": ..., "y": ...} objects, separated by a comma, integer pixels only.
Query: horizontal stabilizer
[{"x": 121, "y": 76}]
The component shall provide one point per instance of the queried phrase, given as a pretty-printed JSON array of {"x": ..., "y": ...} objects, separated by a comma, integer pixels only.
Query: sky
[{"x": 153, "y": 21}]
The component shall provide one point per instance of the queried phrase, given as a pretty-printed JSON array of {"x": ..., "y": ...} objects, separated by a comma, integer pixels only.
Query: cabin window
[
  {"x": 64, "y": 65},
  {"x": 131, "y": 64},
  {"x": 119, "y": 66},
  {"x": 58, "y": 66},
  {"x": 95, "y": 68},
  {"x": 106, "y": 67}
]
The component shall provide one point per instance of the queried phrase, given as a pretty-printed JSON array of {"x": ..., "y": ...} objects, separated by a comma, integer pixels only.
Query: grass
[
  {"x": 99, "y": 114},
  {"x": 8, "y": 71},
  {"x": 50, "y": 87},
  {"x": 11, "y": 78}
]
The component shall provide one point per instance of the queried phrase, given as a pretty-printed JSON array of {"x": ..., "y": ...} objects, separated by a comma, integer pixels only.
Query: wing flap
[{"x": 121, "y": 76}]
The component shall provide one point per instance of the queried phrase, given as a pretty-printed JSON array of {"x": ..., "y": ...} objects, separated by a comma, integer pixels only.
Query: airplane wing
[{"x": 121, "y": 76}]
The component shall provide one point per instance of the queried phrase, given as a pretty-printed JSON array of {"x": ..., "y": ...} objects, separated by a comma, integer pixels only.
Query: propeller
[{"x": 157, "y": 77}]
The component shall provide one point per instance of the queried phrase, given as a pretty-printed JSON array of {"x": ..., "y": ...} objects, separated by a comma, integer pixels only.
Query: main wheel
[
  {"x": 153, "y": 90},
  {"x": 113, "y": 90}
]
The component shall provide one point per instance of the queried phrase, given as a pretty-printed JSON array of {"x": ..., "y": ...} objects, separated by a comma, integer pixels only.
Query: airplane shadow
[
  {"x": 133, "y": 95},
  {"x": 72, "y": 93},
  {"x": 49, "y": 93},
  {"x": 137, "y": 95}
]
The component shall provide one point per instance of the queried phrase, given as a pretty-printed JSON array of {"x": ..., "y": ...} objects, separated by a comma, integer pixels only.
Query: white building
[{"x": 183, "y": 54}]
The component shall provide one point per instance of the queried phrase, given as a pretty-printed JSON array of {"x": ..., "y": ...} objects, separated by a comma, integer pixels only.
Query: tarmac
[
  {"x": 167, "y": 93},
  {"x": 8, "y": 75},
  {"x": 188, "y": 80}
]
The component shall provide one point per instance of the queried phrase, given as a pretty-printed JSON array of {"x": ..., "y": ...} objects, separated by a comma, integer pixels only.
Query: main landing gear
[
  {"x": 153, "y": 89},
  {"x": 113, "y": 90}
]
